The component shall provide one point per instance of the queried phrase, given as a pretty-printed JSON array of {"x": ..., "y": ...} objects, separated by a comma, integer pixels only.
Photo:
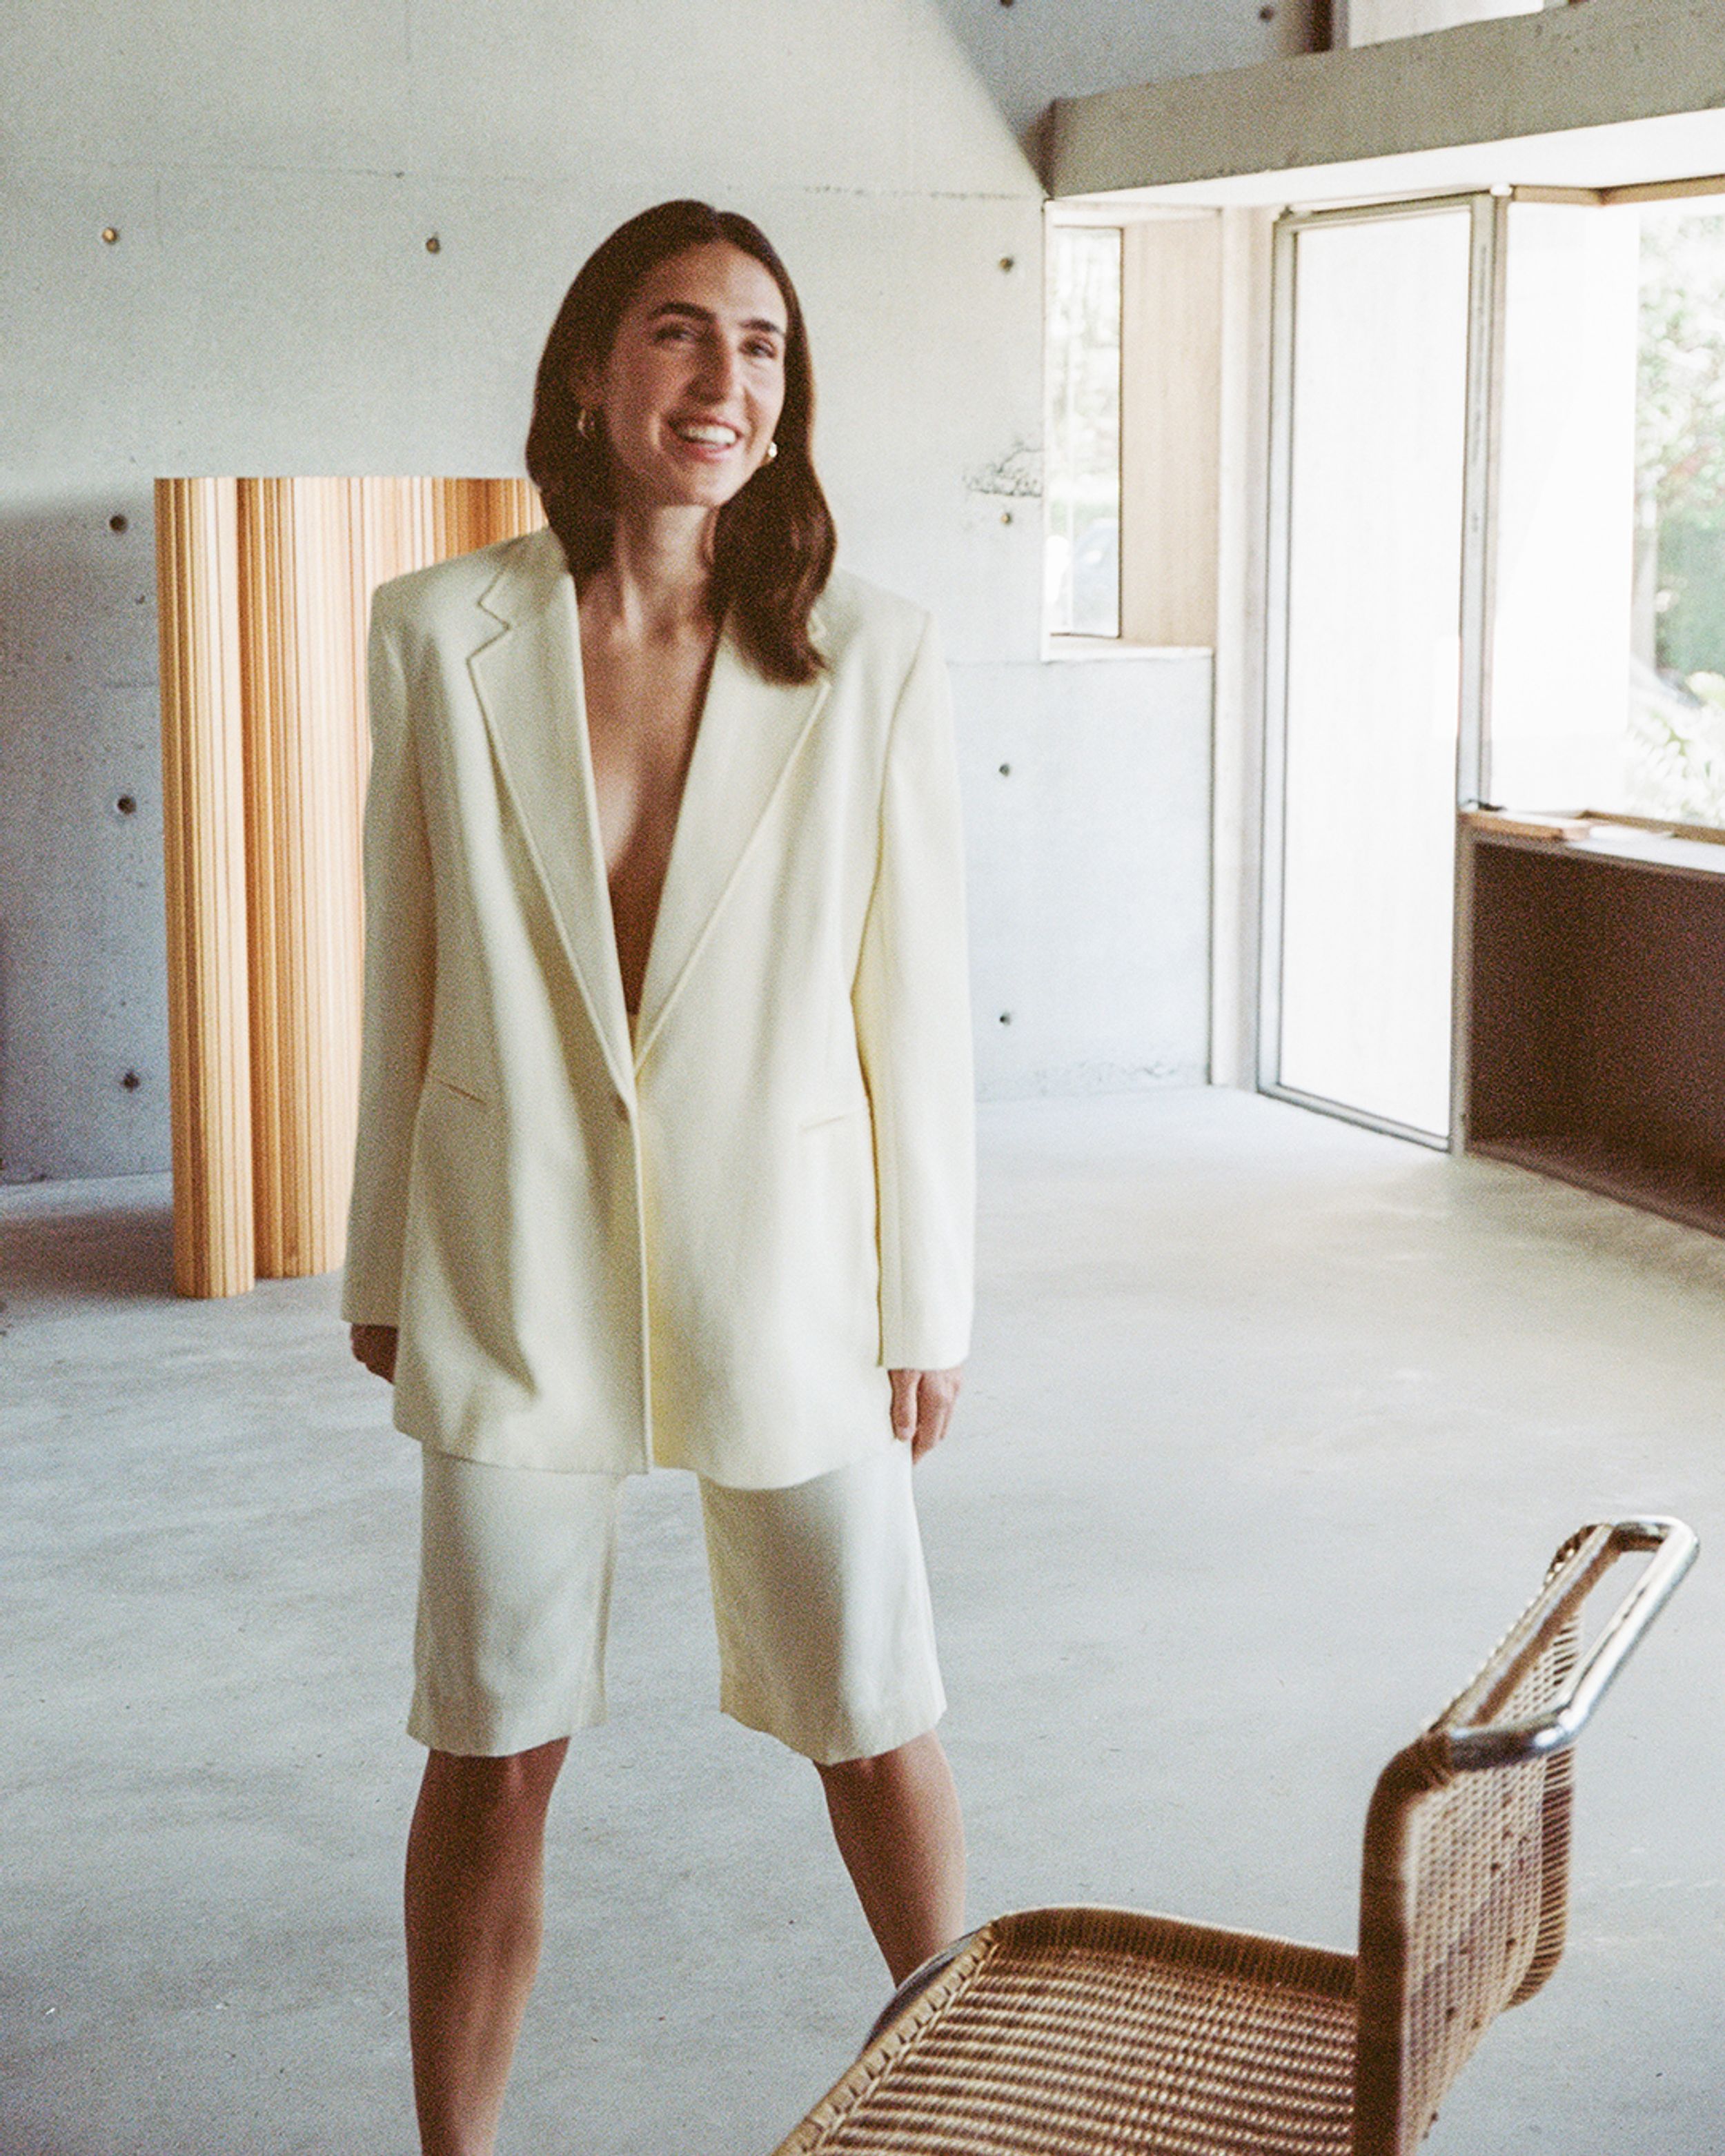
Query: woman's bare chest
[{"x": 643, "y": 711}]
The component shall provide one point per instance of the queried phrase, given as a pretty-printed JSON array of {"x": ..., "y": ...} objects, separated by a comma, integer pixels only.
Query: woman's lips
[{"x": 707, "y": 439}]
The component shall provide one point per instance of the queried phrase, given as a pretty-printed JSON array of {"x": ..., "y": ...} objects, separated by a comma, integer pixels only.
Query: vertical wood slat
[
  {"x": 468, "y": 513},
  {"x": 266, "y": 592},
  {"x": 204, "y": 826},
  {"x": 302, "y": 867},
  {"x": 512, "y": 508}
]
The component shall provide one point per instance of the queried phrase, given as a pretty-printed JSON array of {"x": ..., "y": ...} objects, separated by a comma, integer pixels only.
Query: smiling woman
[
  {"x": 693, "y": 382},
  {"x": 773, "y": 541},
  {"x": 664, "y": 1138}
]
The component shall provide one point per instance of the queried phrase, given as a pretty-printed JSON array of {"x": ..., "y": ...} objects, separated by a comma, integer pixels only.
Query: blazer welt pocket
[
  {"x": 833, "y": 1116},
  {"x": 461, "y": 1093}
]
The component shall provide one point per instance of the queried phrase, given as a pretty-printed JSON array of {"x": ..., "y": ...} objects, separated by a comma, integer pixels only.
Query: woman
[{"x": 664, "y": 1151}]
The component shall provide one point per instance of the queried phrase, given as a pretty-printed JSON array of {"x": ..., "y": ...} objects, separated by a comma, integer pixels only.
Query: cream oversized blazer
[{"x": 704, "y": 1247}]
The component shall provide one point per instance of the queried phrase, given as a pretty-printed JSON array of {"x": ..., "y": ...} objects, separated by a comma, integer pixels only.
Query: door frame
[{"x": 1488, "y": 212}]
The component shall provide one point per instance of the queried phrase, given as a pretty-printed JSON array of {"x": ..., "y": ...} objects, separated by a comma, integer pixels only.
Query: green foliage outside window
[{"x": 1677, "y": 687}]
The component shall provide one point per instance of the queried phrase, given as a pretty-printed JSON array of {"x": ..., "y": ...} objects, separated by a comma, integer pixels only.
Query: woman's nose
[{"x": 719, "y": 372}]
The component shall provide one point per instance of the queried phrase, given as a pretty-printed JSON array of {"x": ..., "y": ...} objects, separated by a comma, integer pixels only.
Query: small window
[
  {"x": 1134, "y": 368},
  {"x": 1082, "y": 560}
]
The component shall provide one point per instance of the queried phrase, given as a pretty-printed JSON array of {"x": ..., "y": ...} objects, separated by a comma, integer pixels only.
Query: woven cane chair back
[
  {"x": 1461, "y": 1914},
  {"x": 1464, "y": 1882}
]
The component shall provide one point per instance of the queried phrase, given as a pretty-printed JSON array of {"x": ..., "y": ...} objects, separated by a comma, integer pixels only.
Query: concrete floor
[{"x": 1271, "y": 1425}]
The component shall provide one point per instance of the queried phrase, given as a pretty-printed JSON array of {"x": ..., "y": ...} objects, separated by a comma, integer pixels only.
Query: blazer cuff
[
  {"x": 369, "y": 1304},
  {"x": 926, "y": 1350}
]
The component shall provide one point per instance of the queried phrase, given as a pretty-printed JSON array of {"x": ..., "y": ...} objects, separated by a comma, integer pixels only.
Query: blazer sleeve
[
  {"x": 911, "y": 1003},
  {"x": 399, "y": 968}
]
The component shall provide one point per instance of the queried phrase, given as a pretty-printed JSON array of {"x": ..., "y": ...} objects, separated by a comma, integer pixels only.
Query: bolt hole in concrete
[
  {"x": 127, "y": 804},
  {"x": 1006, "y": 1017},
  {"x": 131, "y": 1081},
  {"x": 117, "y": 523},
  {"x": 111, "y": 233},
  {"x": 433, "y": 245}
]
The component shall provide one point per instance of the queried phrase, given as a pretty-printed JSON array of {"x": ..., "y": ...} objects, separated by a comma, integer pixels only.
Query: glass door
[{"x": 1376, "y": 570}]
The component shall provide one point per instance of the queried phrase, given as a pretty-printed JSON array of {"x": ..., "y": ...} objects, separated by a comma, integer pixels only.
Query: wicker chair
[{"x": 1101, "y": 2032}]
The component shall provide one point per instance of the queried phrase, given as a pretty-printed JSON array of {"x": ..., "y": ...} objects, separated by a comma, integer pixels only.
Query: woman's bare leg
[
  {"x": 896, "y": 1821},
  {"x": 474, "y": 1911}
]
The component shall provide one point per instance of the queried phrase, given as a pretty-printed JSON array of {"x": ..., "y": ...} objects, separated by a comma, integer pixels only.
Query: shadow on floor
[{"x": 123, "y": 1255}]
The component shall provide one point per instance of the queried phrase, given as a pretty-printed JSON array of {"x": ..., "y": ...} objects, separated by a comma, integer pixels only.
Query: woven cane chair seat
[
  {"x": 1103, "y": 2032},
  {"x": 1098, "y": 2032}
]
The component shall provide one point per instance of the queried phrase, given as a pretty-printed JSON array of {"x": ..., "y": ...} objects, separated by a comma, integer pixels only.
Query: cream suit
[{"x": 706, "y": 1247}]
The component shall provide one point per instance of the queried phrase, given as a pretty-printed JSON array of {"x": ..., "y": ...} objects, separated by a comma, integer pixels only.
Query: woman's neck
[{"x": 654, "y": 587}]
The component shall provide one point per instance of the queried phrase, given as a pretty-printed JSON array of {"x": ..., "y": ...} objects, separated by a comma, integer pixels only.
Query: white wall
[{"x": 271, "y": 306}]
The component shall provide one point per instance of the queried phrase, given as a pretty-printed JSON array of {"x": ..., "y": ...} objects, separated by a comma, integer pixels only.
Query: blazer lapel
[
  {"x": 747, "y": 740},
  {"x": 527, "y": 678}
]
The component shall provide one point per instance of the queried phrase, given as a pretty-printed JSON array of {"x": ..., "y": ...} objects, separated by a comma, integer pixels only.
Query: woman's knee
[
  {"x": 514, "y": 1790},
  {"x": 845, "y": 1775},
  {"x": 877, "y": 1771}
]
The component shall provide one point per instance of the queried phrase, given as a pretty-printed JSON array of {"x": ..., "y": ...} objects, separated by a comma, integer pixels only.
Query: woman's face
[{"x": 695, "y": 382}]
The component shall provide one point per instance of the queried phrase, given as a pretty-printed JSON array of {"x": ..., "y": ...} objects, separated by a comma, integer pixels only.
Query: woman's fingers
[
  {"x": 922, "y": 1404},
  {"x": 938, "y": 1391},
  {"x": 374, "y": 1345}
]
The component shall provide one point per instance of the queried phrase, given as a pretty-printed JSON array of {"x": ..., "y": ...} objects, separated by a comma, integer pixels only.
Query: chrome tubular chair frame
[{"x": 1507, "y": 1743}]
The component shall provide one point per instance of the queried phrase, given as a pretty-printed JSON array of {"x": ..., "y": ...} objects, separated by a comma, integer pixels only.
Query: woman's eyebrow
[{"x": 690, "y": 312}]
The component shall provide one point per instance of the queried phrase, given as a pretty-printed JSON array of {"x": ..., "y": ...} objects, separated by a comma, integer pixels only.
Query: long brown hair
[{"x": 773, "y": 546}]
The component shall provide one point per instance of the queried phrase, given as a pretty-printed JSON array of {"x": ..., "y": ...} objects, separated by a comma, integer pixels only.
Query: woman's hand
[
  {"x": 922, "y": 1404},
  {"x": 374, "y": 1345}
]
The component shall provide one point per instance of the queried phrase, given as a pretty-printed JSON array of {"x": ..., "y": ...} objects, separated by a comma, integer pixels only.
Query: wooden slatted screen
[{"x": 264, "y": 587}]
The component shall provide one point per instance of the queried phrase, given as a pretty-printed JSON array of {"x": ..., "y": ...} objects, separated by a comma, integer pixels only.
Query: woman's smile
[
  {"x": 712, "y": 439},
  {"x": 694, "y": 383}
]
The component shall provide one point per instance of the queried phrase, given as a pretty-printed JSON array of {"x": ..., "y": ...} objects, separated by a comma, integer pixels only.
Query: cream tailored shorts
[{"x": 820, "y": 1600}]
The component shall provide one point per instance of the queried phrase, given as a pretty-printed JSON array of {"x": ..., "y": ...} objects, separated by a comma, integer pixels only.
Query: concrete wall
[
  {"x": 270, "y": 306},
  {"x": 1029, "y": 51},
  {"x": 1337, "y": 119},
  {"x": 1087, "y": 787}
]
